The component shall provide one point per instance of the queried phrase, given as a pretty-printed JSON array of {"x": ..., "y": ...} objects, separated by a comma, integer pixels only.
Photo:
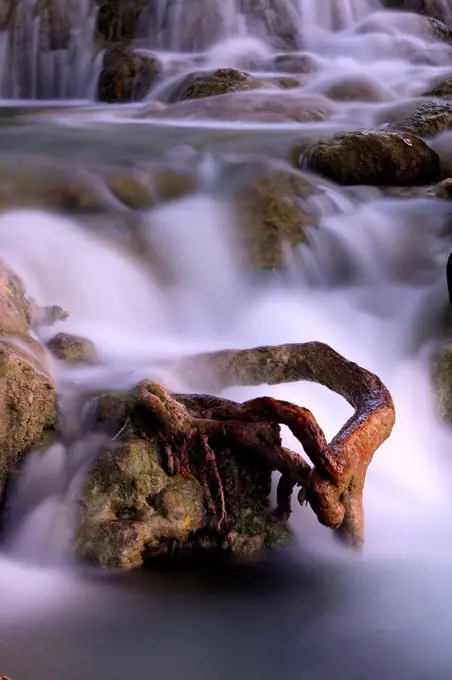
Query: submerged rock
[
  {"x": 303, "y": 63},
  {"x": 357, "y": 88},
  {"x": 72, "y": 349},
  {"x": 272, "y": 212},
  {"x": 278, "y": 107},
  {"x": 127, "y": 75},
  {"x": 211, "y": 83},
  {"x": 375, "y": 157},
  {"x": 440, "y": 87}
]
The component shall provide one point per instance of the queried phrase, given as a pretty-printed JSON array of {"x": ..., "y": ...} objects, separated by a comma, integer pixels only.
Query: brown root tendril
[{"x": 334, "y": 485}]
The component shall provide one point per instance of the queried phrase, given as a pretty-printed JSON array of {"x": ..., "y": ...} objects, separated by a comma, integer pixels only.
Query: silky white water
[{"x": 371, "y": 283}]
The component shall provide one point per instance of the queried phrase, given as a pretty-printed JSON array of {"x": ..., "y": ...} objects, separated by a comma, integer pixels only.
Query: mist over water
[{"x": 370, "y": 283}]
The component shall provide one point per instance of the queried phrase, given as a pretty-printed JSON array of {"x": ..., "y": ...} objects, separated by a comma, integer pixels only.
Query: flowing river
[{"x": 371, "y": 283}]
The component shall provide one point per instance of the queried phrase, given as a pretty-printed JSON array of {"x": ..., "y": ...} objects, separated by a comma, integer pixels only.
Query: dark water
[{"x": 281, "y": 618}]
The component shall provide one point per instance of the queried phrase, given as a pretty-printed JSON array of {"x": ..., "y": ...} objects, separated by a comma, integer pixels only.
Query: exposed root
[{"x": 334, "y": 486}]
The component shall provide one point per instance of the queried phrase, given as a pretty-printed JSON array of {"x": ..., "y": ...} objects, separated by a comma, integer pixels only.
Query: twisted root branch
[{"x": 334, "y": 485}]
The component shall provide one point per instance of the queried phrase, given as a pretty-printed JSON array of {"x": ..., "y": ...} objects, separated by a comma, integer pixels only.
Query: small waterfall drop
[{"x": 47, "y": 49}]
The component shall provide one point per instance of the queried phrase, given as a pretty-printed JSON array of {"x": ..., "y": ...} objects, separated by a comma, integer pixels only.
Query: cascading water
[
  {"x": 48, "y": 49},
  {"x": 370, "y": 282}
]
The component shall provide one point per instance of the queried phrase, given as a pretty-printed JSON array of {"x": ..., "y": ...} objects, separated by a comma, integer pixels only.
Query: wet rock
[
  {"x": 72, "y": 349},
  {"x": 119, "y": 21},
  {"x": 29, "y": 181},
  {"x": 440, "y": 87},
  {"x": 444, "y": 189},
  {"x": 212, "y": 83},
  {"x": 269, "y": 107},
  {"x": 127, "y": 75},
  {"x": 427, "y": 119},
  {"x": 27, "y": 394},
  {"x": 143, "y": 188},
  {"x": 273, "y": 213},
  {"x": 442, "y": 380},
  {"x": 439, "y": 9},
  {"x": 133, "y": 509},
  {"x": 357, "y": 88},
  {"x": 303, "y": 63},
  {"x": 375, "y": 157},
  {"x": 129, "y": 503}
]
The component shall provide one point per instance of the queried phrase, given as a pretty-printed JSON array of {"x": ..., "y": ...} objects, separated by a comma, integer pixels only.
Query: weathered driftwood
[{"x": 334, "y": 487}]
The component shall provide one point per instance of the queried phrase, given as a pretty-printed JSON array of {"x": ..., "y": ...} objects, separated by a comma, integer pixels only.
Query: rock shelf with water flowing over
[{"x": 226, "y": 338}]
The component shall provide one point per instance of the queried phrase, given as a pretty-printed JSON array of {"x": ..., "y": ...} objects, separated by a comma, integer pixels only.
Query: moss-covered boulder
[
  {"x": 27, "y": 394},
  {"x": 375, "y": 157},
  {"x": 136, "y": 506},
  {"x": 129, "y": 503},
  {"x": 273, "y": 213},
  {"x": 426, "y": 119},
  {"x": 119, "y": 21},
  {"x": 127, "y": 75},
  {"x": 256, "y": 107},
  {"x": 72, "y": 349},
  {"x": 212, "y": 83}
]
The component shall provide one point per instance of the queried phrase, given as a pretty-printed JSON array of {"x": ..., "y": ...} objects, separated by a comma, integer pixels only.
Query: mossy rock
[
  {"x": 427, "y": 119},
  {"x": 127, "y": 75},
  {"x": 258, "y": 107},
  {"x": 133, "y": 510},
  {"x": 374, "y": 157},
  {"x": 118, "y": 21},
  {"x": 72, "y": 349},
  {"x": 273, "y": 213},
  {"x": 212, "y": 83},
  {"x": 442, "y": 380},
  {"x": 129, "y": 503}
]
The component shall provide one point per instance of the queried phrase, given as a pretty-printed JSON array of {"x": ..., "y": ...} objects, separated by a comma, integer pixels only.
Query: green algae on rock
[
  {"x": 374, "y": 157},
  {"x": 442, "y": 380}
]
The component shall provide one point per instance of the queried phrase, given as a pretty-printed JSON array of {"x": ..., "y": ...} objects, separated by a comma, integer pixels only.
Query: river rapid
[{"x": 371, "y": 283}]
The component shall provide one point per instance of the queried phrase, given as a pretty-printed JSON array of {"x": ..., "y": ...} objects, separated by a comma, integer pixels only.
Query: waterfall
[{"x": 47, "y": 49}]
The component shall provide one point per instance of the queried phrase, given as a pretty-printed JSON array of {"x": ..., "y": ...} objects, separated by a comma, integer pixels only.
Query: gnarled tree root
[{"x": 334, "y": 485}]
